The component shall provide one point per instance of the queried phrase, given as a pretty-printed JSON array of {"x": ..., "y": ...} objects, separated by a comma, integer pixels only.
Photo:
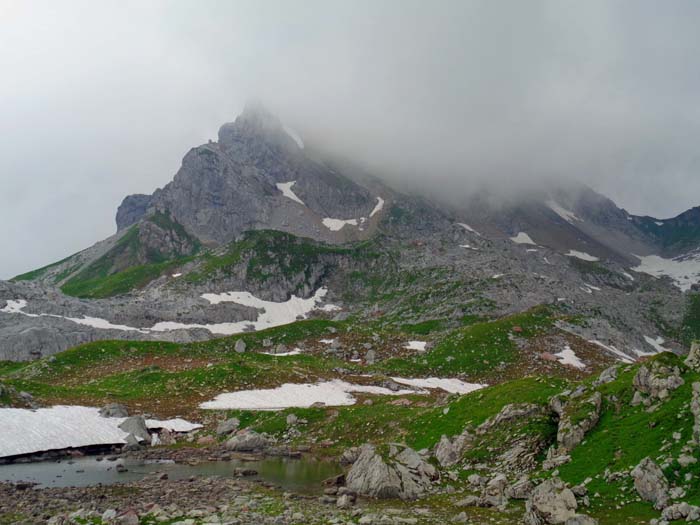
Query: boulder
[
  {"x": 449, "y": 451},
  {"x": 114, "y": 410},
  {"x": 247, "y": 441},
  {"x": 495, "y": 492},
  {"x": 228, "y": 426},
  {"x": 402, "y": 473},
  {"x": 650, "y": 483},
  {"x": 551, "y": 502},
  {"x": 521, "y": 489},
  {"x": 607, "y": 376},
  {"x": 136, "y": 426},
  {"x": 240, "y": 346},
  {"x": 681, "y": 511},
  {"x": 350, "y": 455}
]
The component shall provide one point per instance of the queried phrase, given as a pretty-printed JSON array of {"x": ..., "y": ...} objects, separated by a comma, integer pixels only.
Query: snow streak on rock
[{"x": 286, "y": 189}]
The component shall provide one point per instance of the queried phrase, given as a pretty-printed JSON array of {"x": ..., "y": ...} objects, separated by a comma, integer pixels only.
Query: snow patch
[
  {"x": 523, "y": 238},
  {"x": 684, "y": 271},
  {"x": 378, "y": 207},
  {"x": 569, "y": 357},
  {"x": 469, "y": 228},
  {"x": 656, "y": 344},
  {"x": 173, "y": 425},
  {"x": 335, "y": 225},
  {"x": 295, "y": 136},
  {"x": 582, "y": 255},
  {"x": 296, "y": 351},
  {"x": 416, "y": 345},
  {"x": 452, "y": 386},
  {"x": 296, "y": 395},
  {"x": 610, "y": 348},
  {"x": 565, "y": 214},
  {"x": 26, "y": 431},
  {"x": 176, "y": 275},
  {"x": 286, "y": 189},
  {"x": 272, "y": 314}
]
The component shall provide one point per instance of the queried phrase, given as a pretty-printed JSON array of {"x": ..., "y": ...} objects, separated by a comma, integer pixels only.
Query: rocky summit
[{"x": 273, "y": 314}]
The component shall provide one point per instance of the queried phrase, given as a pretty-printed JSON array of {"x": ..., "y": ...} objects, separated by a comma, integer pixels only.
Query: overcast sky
[{"x": 101, "y": 99}]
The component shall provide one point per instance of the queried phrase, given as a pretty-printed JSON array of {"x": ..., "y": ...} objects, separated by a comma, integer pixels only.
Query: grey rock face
[
  {"x": 227, "y": 187},
  {"x": 247, "y": 441},
  {"x": 136, "y": 426},
  {"x": 132, "y": 209},
  {"x": 404, "y": 474},
  {"x": 650, "y": 483},
  {"x": 114, "y": 410},
  {"x": 551, "y": 502}
]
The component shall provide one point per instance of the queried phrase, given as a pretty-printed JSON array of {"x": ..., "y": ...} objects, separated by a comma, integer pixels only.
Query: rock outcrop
[
  {"x": 658, "y": 381},
  {"x": 552, "y": 502},
  {"x": 400, "y": 473},
  {"x": 650, "y": 483},
  {"x": 247, "y": 441},
  {"x": 577, "y": 418}
]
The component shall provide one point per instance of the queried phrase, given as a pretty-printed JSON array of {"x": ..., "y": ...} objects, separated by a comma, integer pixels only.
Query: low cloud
[{"x": 99, "y": 100}]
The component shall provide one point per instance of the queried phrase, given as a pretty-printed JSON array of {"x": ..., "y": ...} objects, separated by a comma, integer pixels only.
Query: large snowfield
[
  {"x": 330, "y": 393},
  {"x": 24, "y": 431},
  {"x": 272, "y": 314},
  {"x": 683, "y": 271}
]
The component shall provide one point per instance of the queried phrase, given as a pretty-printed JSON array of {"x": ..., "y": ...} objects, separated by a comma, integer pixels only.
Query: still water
[{"x": 296, "y": 475}]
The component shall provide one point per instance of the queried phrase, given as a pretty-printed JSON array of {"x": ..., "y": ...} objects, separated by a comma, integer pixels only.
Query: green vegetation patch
[{"x": 475, "y": 349}]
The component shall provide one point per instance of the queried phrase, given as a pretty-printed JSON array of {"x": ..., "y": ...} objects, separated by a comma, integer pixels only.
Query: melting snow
[
  {"x": 565, "y": 214},
  {"x": 335, "y": 225},
  {"x": 453, "y": 386},
  {"x": 569, "y": 357},
  {"x": 610, "y": 348},
  {"x": 523, "y": 238},
  {"x": 293, "y": 395},
  {"x": 469, "y": 228},
  {"x": 683, "y": 271},
  {"x": 273, "y": 314},
  {"x": 416, "y": 345},
  {"x": 582, "y": 255},
  {"x": 656, "y": 344},
  {"x": 174, "y": 425},
  {"x": 296, "y": 351},
  {"x": 176, "y": 275},
  {"x": 378, "y": 207},
  {"x": 295, "y": 136},
  {"x": 286, "y": 189},
  {"x": 26, "y": 431}
]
